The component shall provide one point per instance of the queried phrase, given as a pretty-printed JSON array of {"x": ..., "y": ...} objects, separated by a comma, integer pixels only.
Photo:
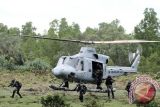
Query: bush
[
  {"x": 3, "y": 61},
  {"x": 22, "y": 68},
  {"x": 152, "y": 104},
  {"x": 93, "y": 103},
  {"x": 5, "y": 64},
  {"x": 37, "y": 65},
  {"x": 53, "y": 101}
]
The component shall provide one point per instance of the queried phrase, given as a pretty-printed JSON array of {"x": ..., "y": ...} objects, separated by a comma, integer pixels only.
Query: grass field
[{"x": 36, "y": 86}]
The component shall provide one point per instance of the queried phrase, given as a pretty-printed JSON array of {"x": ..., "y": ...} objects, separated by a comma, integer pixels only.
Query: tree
[
  {"x": 148, "y": 29},
  {"x": 54, "y": 28},
  {"x": 112, "y": 31},
  {"x": 90, "y": 34},
  {"x": 75, "y": 30},
  {"x": 63, "y": 28},
  {"x": 3, "y": 28},
  {"x": 28, "y": 29},
  {"x": 14, "y": 31}
]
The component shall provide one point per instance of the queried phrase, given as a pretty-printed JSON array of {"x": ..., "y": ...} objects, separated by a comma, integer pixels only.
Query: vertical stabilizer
[{"x": 136, "y": 60}]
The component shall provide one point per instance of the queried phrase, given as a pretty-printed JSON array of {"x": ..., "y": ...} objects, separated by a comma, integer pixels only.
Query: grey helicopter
[{"x": 82, "y": 67}]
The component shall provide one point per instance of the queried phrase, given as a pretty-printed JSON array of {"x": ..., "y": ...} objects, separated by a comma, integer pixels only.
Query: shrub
[
  {"x": 3, "y": 61},
  {"x": 5, "y": 64},
  {"x": 37, "y": 65},
  {"x": 53, "y": 101},
  {"x": 152, "y": 104},
  {"x": 93, "y": 103},
  {"x": 22, "y": 68}
]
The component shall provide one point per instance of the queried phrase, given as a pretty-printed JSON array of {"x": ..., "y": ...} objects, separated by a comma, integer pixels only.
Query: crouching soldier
[
  {"x": 17, "y": 86},
  {"x": 82, "y": 90}
]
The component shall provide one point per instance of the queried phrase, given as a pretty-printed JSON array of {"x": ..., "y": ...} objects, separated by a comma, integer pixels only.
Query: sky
[{"x": 15, "y": 13}]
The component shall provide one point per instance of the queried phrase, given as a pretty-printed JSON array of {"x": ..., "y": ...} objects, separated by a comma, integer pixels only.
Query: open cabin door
[{"x": 96, "y": 67}]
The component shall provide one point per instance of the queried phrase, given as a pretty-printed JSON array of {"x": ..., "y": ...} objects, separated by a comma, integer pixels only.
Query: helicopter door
[{"x": 96, "y": 67}]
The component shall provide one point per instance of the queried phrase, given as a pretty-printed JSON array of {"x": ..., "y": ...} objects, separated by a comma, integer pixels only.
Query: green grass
[
  {"x": 33, "y": 100},
  {"x": 40, "y": 84}
]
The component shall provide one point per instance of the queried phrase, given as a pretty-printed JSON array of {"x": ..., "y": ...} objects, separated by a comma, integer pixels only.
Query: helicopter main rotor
[{"x": 95, "y": 42}]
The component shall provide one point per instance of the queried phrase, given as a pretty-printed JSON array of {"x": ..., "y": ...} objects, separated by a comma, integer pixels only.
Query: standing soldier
[
  {"x": 108, "y": 83},
  {"x": 17, "y": 86},
  {"x": 128, "y": 87},
  {"x": 99, "y": 75},
  {"x": 99, "y": 79}
]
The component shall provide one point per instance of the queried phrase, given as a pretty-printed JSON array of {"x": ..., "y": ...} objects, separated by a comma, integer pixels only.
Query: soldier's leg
[
  {"x": 108, "y": 91},
  {"x": 18, "y": 89},
  {"x": 14, "y": 91},
  {"x": 128, "y": 94},
  {"x": 100, "y": 84},
  {"x": 81, "y": 98},
  {"x": 111, "y": 87},
  {"x": 66, "y": 84}
]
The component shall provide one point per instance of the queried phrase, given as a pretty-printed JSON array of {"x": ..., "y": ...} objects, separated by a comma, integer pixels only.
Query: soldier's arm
[{"x": 11, "y": 84}]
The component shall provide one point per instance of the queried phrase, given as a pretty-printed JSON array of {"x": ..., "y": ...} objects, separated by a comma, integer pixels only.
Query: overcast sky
[{"x": 15, "y": 13}]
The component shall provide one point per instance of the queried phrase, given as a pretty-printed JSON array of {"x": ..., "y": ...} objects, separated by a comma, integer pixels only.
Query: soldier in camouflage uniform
[{"x": 17, "y": 86}]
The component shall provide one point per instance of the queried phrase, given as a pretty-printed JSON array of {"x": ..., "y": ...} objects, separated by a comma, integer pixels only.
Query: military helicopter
[{"x": 82, "y": 67}]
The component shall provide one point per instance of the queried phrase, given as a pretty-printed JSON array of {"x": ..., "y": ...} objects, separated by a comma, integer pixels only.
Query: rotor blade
[
  {"x": 56, "y": 39},
  {"x": 96, "y": 42},
  {"x": 124, "y": 41}
]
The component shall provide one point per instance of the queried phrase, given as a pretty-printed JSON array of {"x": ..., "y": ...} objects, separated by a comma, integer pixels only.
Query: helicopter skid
[{"x": 67, "y": 89}]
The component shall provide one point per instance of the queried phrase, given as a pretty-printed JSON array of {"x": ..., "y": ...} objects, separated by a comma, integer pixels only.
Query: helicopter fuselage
[{"x": 82, "y": 67}]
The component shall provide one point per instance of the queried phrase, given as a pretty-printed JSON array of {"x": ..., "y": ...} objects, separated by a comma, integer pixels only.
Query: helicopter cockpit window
[
  {"x": 95, "y": 55},
  {"x": 82, "y": 65},
  {"x": 106, "y": 61},
  {"x": 63, "y": 60},
  {"x": 60, "y": 61},
  {"x": 71, "y": 61}
]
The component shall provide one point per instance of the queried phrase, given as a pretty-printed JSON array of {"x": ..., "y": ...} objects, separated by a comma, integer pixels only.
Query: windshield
[{"x": 71, "y": 61}]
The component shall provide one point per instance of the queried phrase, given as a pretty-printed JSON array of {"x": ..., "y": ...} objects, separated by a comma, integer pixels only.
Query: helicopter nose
[
  {"x": 57, "y": 71},
  {"x": 63, "y": 71}
]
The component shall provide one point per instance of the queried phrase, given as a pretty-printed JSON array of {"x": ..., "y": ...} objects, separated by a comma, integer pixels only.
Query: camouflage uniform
[
  {"x": 108, "y": 83},
  {"x": 128, "y": 87},
  {"x": 17, "y": 86},
  {"x": 82, "y": 90},
  {"x": 99, "y": 75}
]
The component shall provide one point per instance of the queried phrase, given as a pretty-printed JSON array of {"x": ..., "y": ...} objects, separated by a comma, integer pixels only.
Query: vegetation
[
  {"x": 53, "y": 101},
  {"x": 21, "y": 53},
  {"x": 93, "y": 103},
  {"x": 35, "y": 87},
  {"x": 152, "y": 104}
]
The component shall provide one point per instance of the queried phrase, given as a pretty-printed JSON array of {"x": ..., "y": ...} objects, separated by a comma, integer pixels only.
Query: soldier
[
  {"x": 17, "y": 86},
  {"x": 108, "y": 83},
  {"x": 99, "y": 79},
  {"x": 99, "y": 75},
  {"x": 82, "y": 90},
  {"x": 66, "y": 84},
  {"x": 128, "y": 87}
]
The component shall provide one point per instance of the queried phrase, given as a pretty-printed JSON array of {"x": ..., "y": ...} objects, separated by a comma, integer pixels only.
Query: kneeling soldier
[{"x": 82, "y": 90}]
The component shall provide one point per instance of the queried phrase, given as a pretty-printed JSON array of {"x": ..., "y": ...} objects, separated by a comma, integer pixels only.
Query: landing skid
[
  {"x": 60, "y": 88},
  {"x": 67, "y": 89}
]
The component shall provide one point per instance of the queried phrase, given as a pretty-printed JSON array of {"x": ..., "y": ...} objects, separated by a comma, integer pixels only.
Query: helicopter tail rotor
[
  {"x": 132, "y": 56},
  {"x": 135, "y": 58}
]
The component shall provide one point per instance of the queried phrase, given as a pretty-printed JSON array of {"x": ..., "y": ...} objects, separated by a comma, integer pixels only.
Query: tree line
[{"x": 17, "y": 52}]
